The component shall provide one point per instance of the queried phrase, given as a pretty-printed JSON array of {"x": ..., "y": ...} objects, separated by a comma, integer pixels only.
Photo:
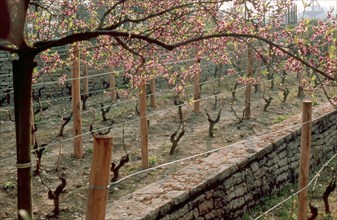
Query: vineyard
[
  {"x": 101, "y": 101},
  {"x": 221, "y": 98}
]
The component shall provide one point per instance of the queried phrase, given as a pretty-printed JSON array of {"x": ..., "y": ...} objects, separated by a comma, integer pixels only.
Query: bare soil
[{"x": 164, "y": 121}]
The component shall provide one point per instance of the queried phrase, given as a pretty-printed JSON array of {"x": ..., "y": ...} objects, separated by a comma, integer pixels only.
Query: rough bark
[
  {"x": 330, "y": 188},
  {"x": 22, "y": 78}
]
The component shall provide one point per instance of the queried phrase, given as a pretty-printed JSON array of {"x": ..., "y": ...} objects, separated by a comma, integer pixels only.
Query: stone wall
[
  {"x": 52, "y": 89},
  {"x": 227, "y": 183}
]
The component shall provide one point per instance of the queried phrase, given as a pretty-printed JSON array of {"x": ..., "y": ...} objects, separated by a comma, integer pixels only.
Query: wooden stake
[
  {"x": 153, "y": 91},
  {"x": 259, "y": 75},
  {"x": 22, "y": 75},
  {"x": 143, "y": 126},
  {"x": 76, "y": 103},
  {"x": 99, "y": 177},
  {"x": 85, "y": 75},
  {"x": 197, "y": 92},
  {"x": 300, "y": 91},
  {"x": 248, "y": 91},
  {"x": 304, "y": 160},
  {"x": 219, "y": 75},
  {"x": 32, "y": 121},
  {"x": 113, "y": 86},
  {"x": 335, "y": 75}
]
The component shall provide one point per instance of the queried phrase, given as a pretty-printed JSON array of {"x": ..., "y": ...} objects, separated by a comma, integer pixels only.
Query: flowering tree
[{"x": 135, "y": 35}]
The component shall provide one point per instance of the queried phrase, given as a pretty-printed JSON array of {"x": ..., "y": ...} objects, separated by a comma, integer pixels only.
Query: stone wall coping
[{"x": 157, "y": 198}]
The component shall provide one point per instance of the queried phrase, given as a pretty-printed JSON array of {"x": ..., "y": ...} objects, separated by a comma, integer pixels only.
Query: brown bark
[
  {"x": 22, "y": 78},
  {"x": 143, "y": 126},
  {"x": 248, "y": 91},
  {"x": 330, "y": 188}
]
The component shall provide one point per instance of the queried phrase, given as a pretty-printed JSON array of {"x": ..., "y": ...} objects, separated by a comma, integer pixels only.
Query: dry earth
[{"x": 163, "y": 122}]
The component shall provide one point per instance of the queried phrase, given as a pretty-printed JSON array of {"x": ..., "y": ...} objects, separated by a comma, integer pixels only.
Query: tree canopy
[{"x": 137, "y": 35}]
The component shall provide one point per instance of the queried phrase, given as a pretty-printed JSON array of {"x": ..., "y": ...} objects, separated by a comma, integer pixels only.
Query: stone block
[
  {"x": 180, "y": 212},
  {"x": 218, "y": 203},
  {"x": 240, "y": 190},
  {"x": 206, "y": 207},
  {"x": 187, "y": 216},
  {"x": 282, "y": 177},
  {"x": 238, "y": 202},
  {"x": 283, "y": 162},
  {"x": 212, "y": 215},
  {"x": 195, "y": 213},
  {"x": 254, "y": 167},
  {"x": 282, "y": 154},
  {"x": 167, "y": 217},
  {"x": 209, "y": 194}
]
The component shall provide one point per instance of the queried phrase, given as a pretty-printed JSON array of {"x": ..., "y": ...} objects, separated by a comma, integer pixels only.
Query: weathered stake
[
  {"x": 99, "y": 178},
  {"x": 32, "y": 121},
  {"x": 113, "y": 91},
  {"x": 85, "y": 75},
  {"x": 76, "y": 104},
  {"x": 153, "y": 91},
  {"x": 143, "y": 126},
  {"x": 248, "y": 91},
  {"x": 22, "y": 73},
  {"x": 197, "y": 92},
  {"x": 304, "y": 160}
]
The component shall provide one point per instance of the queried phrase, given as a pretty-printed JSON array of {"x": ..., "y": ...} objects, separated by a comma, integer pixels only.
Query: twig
[
  {"x": 115, "y": 169},
  {"x": 175, "y": 140},
  {"x": 268, "y": 102},
  {"x": 84, "y": 99},
  {"x": 104, "y": 111},
  {"x": 285, "y": 94},
  {"x": 314, "y": 212},
  {"x": 329, "y": 189},
  {"x": 93, "y": 133},
  {"x": 179, "y": 104},
  {"x": 212, "y": 122},
  {"x": 55, "y": 196},
  {"x": 66, "y": 120},
  {"x": 243, "y": 114}
]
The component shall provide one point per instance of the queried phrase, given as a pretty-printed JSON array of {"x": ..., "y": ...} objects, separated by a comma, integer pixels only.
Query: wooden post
[
  {"x": 99, "y": 178},
  {"x": 85, "y": 74},
  {"x": 76, "y": 104},
  {"x": 197, "y": 92},
  {"x": 22, "y": 75},
  {"x": 219, "y": 75},
  {"x": 335, "y": 75},
  {"x": 259, "y": 75},
  {"x": 248, "y": 91},
  {"x": 153, "y": 91},
  {"x": 300, "y": 91},
  {"x": 32, "y": 121},
  {"x": 304, "y": 160},
  {"x": 143, "y": 126},
  {"x": 113, "y": 91}
]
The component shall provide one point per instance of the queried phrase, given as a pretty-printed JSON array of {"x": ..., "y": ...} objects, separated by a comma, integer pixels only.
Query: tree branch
[
  {"x": 41, "y": 46},
  {"x": 9, "y": 49},
  {"x": 118, "y": 24},
  {"x": 42, "y": 7}
]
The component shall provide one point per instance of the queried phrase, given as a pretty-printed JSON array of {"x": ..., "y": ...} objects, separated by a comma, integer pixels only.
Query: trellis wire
[
  {"x": 121, "y": 124},
  {"x": 294, "y": 194},
  {"x": 123, "y": 102},
  {"x": 133, "y": 120}
]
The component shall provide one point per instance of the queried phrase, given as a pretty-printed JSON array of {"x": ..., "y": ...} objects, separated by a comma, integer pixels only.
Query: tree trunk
[
  {"x": 211, "y": 129},
  {"x": 22, "y": 83},
  {"x": 248, "y": 91},
  {"x": 300, "y": 91},
  {"x": 113, "y": 92}
]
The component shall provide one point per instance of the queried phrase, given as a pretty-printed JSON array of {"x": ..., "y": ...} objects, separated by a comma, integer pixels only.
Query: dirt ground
[{"x": 164, "y": 121}]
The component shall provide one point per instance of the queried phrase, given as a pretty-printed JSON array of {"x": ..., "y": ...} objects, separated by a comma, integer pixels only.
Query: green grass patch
[{"x": 280, "y": 119}]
